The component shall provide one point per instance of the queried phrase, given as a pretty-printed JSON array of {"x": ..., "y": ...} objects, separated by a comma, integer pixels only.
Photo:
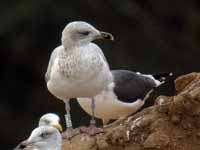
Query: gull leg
[
  {"x": 69, "y": 132},
  {"x": 92, "y": 129},
  {"x": 92, "y": 121}
]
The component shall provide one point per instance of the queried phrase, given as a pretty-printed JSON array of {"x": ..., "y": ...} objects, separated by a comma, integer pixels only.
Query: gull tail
[{"x": 159, "y": 80}]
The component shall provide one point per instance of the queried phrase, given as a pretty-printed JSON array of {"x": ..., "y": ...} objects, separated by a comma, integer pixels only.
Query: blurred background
[{"x": 151, "y": 36}]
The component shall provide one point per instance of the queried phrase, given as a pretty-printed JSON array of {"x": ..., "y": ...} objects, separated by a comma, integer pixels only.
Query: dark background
[{"x": 151, "y": 36}]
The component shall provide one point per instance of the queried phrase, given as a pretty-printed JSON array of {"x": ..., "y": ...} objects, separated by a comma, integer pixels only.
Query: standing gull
[
  {"x": 127, "y": 96},
  {"x": 42, "y": 138},
  {"x": 78, "y": 68}
]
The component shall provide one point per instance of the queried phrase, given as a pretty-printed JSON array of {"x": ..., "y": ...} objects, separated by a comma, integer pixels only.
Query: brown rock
[
  {"x": 172, "y": 124},
  {"x": 157, "y": 140},
  {"x": 182, "y": 81}
]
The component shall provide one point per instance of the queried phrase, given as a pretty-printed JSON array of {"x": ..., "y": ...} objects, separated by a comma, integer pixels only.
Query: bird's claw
[
  {"x": 70, "y": 132},
  {"x": 91, "y": 130}
]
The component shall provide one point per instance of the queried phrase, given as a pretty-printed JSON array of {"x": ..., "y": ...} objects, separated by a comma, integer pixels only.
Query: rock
[
  {"x": 183, "y": 81},
  {"x": 156, "y": 140},
  {"x": 171, "y": 124}
]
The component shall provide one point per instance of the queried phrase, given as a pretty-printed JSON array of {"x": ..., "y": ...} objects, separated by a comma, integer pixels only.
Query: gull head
[
  {"x": 78, "y": 33},
  {"x": 50, "y": 119},
  {"x": 44, "y": 138}
]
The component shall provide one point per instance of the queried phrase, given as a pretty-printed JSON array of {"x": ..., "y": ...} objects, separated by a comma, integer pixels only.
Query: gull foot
[
  {"x": 69, "y": 133},
  {"x": 91, "y": 130}
]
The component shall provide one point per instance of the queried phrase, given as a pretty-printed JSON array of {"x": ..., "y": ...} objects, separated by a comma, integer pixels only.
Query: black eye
[
  {"x": 85, "y": 33},
  {"x": 47, "y": 121},
  {"x": 44, "y": 135}
]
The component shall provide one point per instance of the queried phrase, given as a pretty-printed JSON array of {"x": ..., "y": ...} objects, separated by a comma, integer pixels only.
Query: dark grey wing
[
  {"x": 130, "y": 86},
  {"x": 51, "y": 61}
]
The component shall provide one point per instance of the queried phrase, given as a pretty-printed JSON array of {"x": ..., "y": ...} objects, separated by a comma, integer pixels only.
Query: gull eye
[
  {"x": 85, "y": 33},
  {"x": 44, "y": 135},
  {"x": 47, "y": 122}
]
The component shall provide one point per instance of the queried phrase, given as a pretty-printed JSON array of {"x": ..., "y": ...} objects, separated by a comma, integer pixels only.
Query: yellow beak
[{"x": 59, "y": 127}]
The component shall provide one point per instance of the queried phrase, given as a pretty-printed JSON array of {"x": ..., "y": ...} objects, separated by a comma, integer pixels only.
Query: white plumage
[
  {"x": 81, "y": 72},
  {"x": 42, "y": 138},
  {"x": 108, "y": 106},
  {"x": 78, "y": 68},
  {"x": 50, "y": 119}
]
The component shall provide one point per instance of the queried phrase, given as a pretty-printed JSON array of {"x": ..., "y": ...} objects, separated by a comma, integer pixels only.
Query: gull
[
  {"x": 78, "y": 68},
  {"x": 50, "y": 119},
  {"x": 42, "y": 138},
  {"x": 127, "y": 96}
]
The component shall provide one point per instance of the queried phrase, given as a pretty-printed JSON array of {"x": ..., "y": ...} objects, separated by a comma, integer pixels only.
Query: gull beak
[
  {"x": 105, "y": 35},
  {"x": 58, "y": 126}
]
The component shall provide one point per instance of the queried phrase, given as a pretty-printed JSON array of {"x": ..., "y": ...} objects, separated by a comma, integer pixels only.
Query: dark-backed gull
[{"x": 127, "y": 96}]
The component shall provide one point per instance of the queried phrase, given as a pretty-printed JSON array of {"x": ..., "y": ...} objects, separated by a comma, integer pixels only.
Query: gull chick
[
  {"x": 42, "y": 138},
  {"x": 78, "y": 68}
]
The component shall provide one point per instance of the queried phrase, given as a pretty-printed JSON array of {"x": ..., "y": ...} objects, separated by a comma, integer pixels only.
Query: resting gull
[
  {"x": 127, "y": 96},
  {"x": 50, "y": 119},
  {"x": 42, "y": 138},
  {"x": 78, "y": 68}
]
